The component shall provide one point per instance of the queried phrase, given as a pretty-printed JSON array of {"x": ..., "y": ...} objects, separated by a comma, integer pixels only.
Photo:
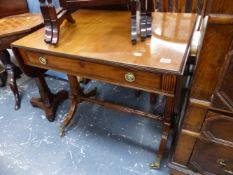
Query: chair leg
[{"x": 13, "y": 72}]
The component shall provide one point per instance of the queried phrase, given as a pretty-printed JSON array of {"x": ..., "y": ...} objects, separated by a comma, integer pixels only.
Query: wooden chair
[
  {"x": 15, "y": 22},
  {"x": 187, "y": 6}
]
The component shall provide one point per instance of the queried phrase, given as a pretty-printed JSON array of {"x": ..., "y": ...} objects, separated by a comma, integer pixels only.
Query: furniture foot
[
  {"x": 48, "y": 101},
  {"x": 162, "y": 146},
  {"x": 70, "y": 115},
  {"x": 155, "y": 165},
  {"x": 168, "y": 113},
  {"x": 13, "y": 72},
  {"x": 75, "y": 93}
]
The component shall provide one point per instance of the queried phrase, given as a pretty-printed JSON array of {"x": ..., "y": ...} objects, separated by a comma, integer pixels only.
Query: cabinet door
[
  {"x": 214, "y": 154},
  {"x": 223, "y": 96}
]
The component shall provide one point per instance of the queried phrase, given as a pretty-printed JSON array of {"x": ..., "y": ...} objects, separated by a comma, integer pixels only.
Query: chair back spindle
[{"x": 182, "y": 6}]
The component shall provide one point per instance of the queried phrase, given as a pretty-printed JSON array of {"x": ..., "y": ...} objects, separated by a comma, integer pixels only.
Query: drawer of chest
[
  {"x": 114, "y": 74},
  {"x": 218, "y": 128},
  {"x": 211, "y": 158}
]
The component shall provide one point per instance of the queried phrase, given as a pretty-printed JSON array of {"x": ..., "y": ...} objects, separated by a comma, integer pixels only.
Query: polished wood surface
[
  {"x": 53, "y": 18},
  {"x": 89, "y": 40},
  {"x": 98, "y": 48},
  {"x": 218, "y": 44},
  {"x": 222, "y": 7},
  {"x": 17, "y": 24},
  {"x": 112, "y": 74},
  {"x": 186, "y": 6},
  {"x": 13, "y": 27},
  {"x": 79, "y": 4},
  {"x": 12, "y": 7},
  {"x": 180, "y": 6}
]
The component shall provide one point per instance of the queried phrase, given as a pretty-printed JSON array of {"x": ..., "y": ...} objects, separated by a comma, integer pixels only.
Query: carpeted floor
[{"x": 99, "y": 141}]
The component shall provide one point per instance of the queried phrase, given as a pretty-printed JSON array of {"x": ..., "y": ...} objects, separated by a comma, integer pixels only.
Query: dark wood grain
[
  {"x": 222, "y": 7},
  {"x": 12, "y": 7},
  {"x": 53, "y": 19},
  {"x": 204, "y": 141}
]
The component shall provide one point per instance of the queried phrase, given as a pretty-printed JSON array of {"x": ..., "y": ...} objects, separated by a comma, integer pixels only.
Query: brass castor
[{"x": 155, "y": 165}]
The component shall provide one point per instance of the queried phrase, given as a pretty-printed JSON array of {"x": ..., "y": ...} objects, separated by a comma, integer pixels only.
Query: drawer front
[
  {"x": 132, "y": 78},
  {"x": 212, "y": 158},
  {"x": 218, "y": 128}
]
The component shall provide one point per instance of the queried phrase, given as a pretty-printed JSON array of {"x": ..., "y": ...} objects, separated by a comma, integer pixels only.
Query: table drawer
[
  {"x": 212, "y": 158},
  {"x": 114, "y": 74}
]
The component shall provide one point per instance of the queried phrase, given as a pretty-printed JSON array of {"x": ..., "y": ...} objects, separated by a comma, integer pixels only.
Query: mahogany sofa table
[{"x": 98, "y": 47}]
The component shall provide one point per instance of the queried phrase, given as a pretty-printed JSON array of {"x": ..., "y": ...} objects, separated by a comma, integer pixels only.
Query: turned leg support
[
  {"x": 75, "y": 93},
  {"x": 75, "y": 97},
  {"x": 13, "y": 72},
  {"x": 48, "y": 101}
]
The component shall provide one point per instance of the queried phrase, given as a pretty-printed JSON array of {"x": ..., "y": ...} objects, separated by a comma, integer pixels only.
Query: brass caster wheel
[{"x": 155, "y": 165}]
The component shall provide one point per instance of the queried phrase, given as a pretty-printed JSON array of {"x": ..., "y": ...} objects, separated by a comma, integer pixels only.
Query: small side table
[{"x": 11, "y": 29}]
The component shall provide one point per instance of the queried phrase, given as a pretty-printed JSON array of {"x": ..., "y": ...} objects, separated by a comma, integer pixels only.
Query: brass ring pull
[
  {"x": 129, "y": 77},
  {"x": 223, "y": 165},
  {"x": 43, "y": 60},
  {"x": 222, "y": 162}
]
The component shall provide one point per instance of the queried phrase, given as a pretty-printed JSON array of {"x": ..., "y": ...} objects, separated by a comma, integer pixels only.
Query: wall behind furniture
[{"x": 34, "y": 5}]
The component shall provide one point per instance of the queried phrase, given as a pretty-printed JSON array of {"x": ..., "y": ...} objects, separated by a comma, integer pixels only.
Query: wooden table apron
[{"x": 93, "y": 49}]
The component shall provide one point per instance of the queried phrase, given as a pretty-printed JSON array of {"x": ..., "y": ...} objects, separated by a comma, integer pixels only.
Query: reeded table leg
[
  {"x": 13, "y": 72},
  {"x": 166, "y": 129},
  {"x": 168, "y": 85},
  {"x": 48, "y": 101}
]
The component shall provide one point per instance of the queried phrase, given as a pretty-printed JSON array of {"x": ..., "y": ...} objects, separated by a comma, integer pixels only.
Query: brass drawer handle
[
  {"x": 43, "y": 60},
  {"x": 223, "y": 165},
  {"x": 222, "y": 162},
  {"x": 129, "y": 77}
]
